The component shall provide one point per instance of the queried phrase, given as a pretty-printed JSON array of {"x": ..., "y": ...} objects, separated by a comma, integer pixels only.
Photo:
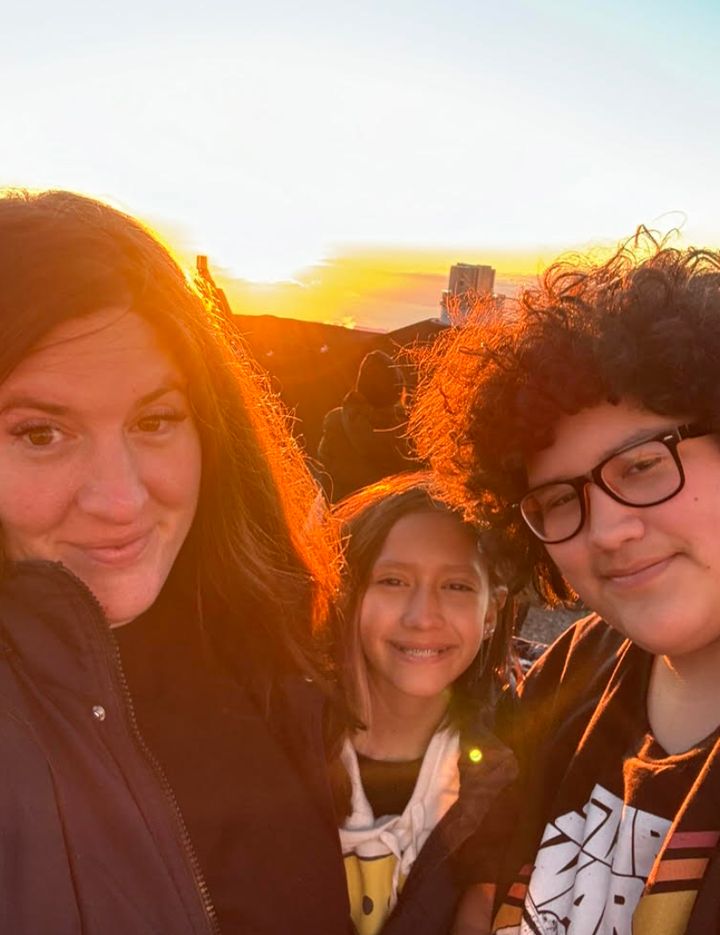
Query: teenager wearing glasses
[{"x": 592, "y": 416}]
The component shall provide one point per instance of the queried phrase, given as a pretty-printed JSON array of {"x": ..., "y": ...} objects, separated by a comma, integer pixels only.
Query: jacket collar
[{"x": 52, "y": 625}]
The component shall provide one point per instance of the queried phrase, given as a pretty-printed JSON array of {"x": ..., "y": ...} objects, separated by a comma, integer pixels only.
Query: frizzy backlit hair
[{"x": 642, "y": 326}]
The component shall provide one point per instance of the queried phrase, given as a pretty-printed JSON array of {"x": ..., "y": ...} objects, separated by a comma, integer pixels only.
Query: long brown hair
[{"x": 251, "y": 549}]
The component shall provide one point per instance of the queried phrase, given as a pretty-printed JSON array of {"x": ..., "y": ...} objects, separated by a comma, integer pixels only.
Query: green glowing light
[{"x": 475, "y": 755}]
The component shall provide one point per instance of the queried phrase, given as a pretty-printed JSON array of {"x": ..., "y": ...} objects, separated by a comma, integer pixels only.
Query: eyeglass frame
[{"x": 670, "y": 438}]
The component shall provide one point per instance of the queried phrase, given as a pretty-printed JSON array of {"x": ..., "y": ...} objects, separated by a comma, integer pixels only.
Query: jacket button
[{"x": 98, "y": 712}]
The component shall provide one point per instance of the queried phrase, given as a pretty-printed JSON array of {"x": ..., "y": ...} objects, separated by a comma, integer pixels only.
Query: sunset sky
[{"x": 333, "y": 158}]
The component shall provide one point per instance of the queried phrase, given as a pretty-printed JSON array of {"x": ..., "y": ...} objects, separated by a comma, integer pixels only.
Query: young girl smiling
[{"x": 424, "y": 641}]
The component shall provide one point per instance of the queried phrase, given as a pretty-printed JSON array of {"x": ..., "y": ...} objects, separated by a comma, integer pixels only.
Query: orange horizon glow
[{"x": 381, "y": 289}]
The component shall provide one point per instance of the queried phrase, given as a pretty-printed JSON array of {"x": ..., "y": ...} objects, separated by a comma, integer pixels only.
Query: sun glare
[
  {"x": 268, "y": 270},
  {"x": 378, "y": 289}
]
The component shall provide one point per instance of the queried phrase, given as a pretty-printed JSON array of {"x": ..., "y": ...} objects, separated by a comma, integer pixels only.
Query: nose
[
  {"x": 112, "y": 488},
  {"x": 610, "y": 524},
  {"x": 423, "y": 610}
]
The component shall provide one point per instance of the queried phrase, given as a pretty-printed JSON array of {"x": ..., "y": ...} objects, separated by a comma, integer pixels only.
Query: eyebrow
[
  {"x": 33, "y": 402},
  {"x": 398, "y": 563},
  {"x": 637, "y": 438}
]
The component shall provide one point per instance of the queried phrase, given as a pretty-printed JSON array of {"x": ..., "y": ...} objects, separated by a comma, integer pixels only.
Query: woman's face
[
  {"x": 426, "y": 607},
  {"x": 100, "y": 458}
]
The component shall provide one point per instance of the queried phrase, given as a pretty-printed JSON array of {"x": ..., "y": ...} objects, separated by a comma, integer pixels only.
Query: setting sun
[{"x": 349, "y": 160}]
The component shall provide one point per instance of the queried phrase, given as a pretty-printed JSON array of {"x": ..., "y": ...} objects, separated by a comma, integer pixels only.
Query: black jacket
[
  {"x": 361, "y": 444},
  {"x": 92, "y": 840}
]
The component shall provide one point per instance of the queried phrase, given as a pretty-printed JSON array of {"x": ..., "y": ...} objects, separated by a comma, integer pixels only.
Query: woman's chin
[{"x": 124, "y": 599}]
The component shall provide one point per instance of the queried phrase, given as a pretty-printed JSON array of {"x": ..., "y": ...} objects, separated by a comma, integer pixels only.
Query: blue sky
[{"x": 272, "y": 135}]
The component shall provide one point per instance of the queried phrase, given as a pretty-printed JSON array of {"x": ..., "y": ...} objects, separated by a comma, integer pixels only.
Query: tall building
[
  {"x": 470, "y": 277},
  {"x": 467, "y": 282}
]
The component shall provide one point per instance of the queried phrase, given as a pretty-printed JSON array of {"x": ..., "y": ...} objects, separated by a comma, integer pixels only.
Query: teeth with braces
[{"x": 421, "y": 653}]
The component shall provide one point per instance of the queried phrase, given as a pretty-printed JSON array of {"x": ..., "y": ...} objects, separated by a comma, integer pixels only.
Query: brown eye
[
  {"x": 159, "y": 422},
  {"x": 644, "y": 465},
  {"x": 151, "y": 423},
  {"x": 40, "y": 436}
]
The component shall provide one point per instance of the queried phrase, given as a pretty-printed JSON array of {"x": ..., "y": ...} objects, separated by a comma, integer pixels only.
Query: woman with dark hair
[
  {"x": 425, "y": 642},
  {"x": 160, "y": 691}
]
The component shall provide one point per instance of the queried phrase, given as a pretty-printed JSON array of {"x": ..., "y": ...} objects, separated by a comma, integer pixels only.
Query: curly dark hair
[{"x": 643, "y": 326}]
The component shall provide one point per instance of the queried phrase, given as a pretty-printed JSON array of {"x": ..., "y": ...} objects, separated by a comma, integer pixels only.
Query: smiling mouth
[
  {"x": 116, "y": 554},
  {"x": 421, "y": 652},
  {"x": 636, "y": 577}
]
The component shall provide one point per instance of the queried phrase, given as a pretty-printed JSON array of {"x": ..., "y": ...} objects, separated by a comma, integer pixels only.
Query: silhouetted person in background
[{"x": 363, "y": 440}]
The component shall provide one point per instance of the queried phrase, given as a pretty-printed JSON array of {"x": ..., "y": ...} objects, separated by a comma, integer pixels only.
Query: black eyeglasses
[{"x": 643, "y": 474}]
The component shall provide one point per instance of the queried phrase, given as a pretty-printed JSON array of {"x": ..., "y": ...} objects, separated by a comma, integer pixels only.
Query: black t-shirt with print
[{"x": 599, "y": 800}]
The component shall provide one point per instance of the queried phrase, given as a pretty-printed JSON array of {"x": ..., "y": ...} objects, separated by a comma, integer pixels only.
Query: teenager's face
[
  {"x": 425, "y": 608},
  {"x": 99, "y": 458},
  {"x": 652, "y": 572}
]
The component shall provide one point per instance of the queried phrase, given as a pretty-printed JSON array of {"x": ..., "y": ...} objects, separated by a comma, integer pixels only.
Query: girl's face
[
  {"x": 100, "y": 458},
  {"x": 426, "y": 607}
]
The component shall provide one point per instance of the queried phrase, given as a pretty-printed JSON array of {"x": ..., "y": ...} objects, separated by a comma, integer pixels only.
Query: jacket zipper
[{"x": 186, "y": 842}]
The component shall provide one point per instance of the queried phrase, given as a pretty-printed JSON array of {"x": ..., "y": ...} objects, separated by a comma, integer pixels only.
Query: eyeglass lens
[{"x": 640, "y": 476}]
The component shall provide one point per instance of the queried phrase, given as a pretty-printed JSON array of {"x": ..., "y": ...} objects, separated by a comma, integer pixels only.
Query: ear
[
  {"x": 497, "y": 600},
  {"x": 500, "y": 595}
]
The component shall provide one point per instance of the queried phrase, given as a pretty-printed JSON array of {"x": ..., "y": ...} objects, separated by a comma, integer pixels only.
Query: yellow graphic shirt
[{"x": 379, "y": 852}]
